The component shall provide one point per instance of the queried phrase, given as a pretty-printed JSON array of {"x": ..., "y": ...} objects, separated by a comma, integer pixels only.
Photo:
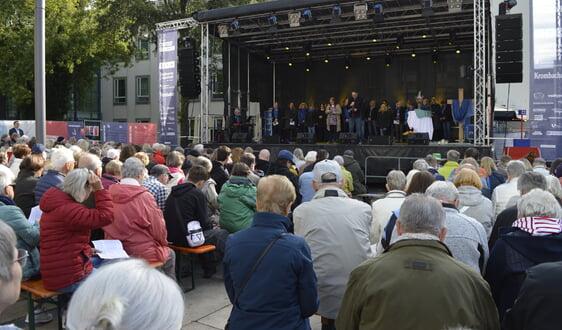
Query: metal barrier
[{"x": 399, "y": 163}]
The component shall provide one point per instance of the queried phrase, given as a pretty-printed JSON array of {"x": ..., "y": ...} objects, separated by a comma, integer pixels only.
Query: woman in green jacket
[{"x": 237, "y": 200}]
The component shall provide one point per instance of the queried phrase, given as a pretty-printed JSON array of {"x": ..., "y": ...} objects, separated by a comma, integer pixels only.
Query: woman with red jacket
[{"x": 65, "y": 229}]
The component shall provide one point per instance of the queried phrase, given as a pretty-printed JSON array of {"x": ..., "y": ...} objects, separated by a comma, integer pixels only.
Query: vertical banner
[
  {"x": 545, "y": 84},
  {"x": 167, "y": 79}
]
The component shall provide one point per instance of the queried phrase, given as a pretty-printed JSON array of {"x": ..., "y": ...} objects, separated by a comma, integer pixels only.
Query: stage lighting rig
[
  {"x": 234, "y": 28},
  {"x": 427, "y": 8},
  {"x": 347, "y": 63},
  {"x": 387, "y": 60},
  {"x": 360, "y": 11},
  {"x": 295, "y": 19},
  {"x": 223, "y": 30},
  {"x": 336, "y": 15},
  {"x": 306, "y": 17},
  {"x": 455, "y": 6},
  {"x": 378, "y": 11},
  {"x": 413, "y": 52},
  {"x": 273, "y": 24},
  {"x": 307, "y": 48},
  {"x": 506, "y": 5},
  {"x": 435, "y": 56}
]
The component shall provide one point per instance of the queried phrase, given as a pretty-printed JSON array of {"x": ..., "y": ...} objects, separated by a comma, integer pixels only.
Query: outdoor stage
[{"x": 377, "y": 159}]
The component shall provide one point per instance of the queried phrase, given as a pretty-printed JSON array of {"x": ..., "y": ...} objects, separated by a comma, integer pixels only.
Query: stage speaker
[
  {"x": 239, "y": 137},
  {"x": 380, "y": 140},
  {"x": 509, "y": 48},
  {"x": 306, "y": 138},
  {"x": 347, "y": 138},
  {"x": 418, "y": 139},
  {"x": 271, "y": 140},
  {"x": 189, "y": 72}
]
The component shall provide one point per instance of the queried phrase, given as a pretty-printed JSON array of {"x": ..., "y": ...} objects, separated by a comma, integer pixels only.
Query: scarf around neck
[{"x": 539, "y": 226}]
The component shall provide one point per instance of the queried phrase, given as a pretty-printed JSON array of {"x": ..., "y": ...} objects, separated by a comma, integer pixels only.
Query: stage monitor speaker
[
  {"x": 509, "y": 48},
  {"x": 418, "y": 139},
  {"x": 504, "y": 115},
  {"x": 239, "y": 137},
  {"x": 348, "y": 138},
  {"x": 271, "y": 140},
  {"x": 380, "y": 140},
  {"x": 305, "y": 138}
]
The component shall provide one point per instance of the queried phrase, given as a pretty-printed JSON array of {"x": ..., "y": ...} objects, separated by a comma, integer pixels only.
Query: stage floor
[{"x": 377, "y": 159}]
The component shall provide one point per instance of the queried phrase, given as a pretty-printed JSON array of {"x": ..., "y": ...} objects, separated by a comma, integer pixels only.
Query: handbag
[
  {"x": 195, "y": 236},
  {"x": 250, "y": 273}
]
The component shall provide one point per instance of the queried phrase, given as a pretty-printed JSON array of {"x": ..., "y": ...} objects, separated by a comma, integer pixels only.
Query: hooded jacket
[
  {"x": 237, "y": 204},
  {"x": 24, "y": 191},
  {"x": 26, "y": 233},
  {"x": 65, "y": 236},
  {"x": 514, "y": 252},
  {"x": 358, "y": 178},
  {"x": 139, "y": 223},
  {"x": 473, "y": 204}
]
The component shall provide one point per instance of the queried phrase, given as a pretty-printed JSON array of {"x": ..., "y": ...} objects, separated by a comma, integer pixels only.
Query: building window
[
  {"x": 143, "y": 49},
  {"x": 143, "y": 89},
  {"x": 120, "y": 91}
]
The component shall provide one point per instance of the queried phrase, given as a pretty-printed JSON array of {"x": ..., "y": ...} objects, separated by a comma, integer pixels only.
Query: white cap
[{"x": 327, "y": 166}]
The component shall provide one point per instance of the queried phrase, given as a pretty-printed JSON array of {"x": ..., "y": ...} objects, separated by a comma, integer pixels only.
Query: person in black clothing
[
  {"x": 372, "y": 118},
  {"x": 322, "y": 154},
  {"x": 262, "y": 162},
  {"x": 446, "y": 117},
  {"x": 321, "y": 119},
  {"x": 219, "y": 172},
  {"x": 357, "y": 112},
  {"x": 436, "y": 119},
  {"x": 398, "y": 120},
  {"x": 384, "y": 119},
  {"x": 311, "y": 120},
  {"x": 527, "y": 182},
  {"x": 281, "y": 166},
  {"x": 187, "y": 203}
]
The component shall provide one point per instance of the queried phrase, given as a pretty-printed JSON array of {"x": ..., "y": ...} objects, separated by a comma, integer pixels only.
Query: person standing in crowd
[
  {"x": 419, "y": 264},
  {"x": 356, "y": 109},
  {"x": 15, "y": 130},
  {"x": 330, "y": 219},
  {"x": 398, "y": 120},
  {"x": 237, "y": 200},
  {"x": 333, "y": 120},
  {"x": 187, "y": 203},
  {"x": 65, "y": 229},
  {"x": 372, "y": 118},
  {"x": 285, "y": 295}
]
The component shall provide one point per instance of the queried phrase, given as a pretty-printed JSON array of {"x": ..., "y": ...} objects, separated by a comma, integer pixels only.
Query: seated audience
[
  {"x": 112, "y": 173},
  {"x": 65, "y": 229},
  {"x": 452, "y": 162},
  {"x": 237, "y": 200},
  {"x": 156, "y": 184},
  {"x": 494, "y": 177},
  {"x": 62, "y": 162},
  {"x": 31, "y": 169},
  {"x": 503, "y": 193},
  {"x": 536, "y": 237},
  {"x": 471, "y": 201},
  {"x": 11, "y": 260},
  {"x": 126, "y": 295},
  {"x": 382, "y": 208},
  {"x": 138, "y": 222},
  {"x": 285, "y": 295},
  {"x": 420, "y": 266}
]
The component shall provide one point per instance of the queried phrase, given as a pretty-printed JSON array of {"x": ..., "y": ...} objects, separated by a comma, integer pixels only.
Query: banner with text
[
  {"x": 116, "y": 132},
  {"x": 545, "y": 98},
  {"x": 54, "y": 129},
  {"x": 168, "y": 96},
  {"x": 75, "y": 130},
  {"x": 142, "y": 133}
]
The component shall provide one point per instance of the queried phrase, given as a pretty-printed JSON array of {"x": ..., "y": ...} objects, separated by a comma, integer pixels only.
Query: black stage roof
[{"x": 404, "y": 23}]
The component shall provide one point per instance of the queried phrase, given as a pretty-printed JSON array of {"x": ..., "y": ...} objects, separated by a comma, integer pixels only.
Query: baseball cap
[
  {"x": 38, "y": 148},
  {"x": 158, "y": 170},
  {"x": 327, "y": 166},
  {"x": 285, "y": 154},
  {"x": 194, "y": 153}
]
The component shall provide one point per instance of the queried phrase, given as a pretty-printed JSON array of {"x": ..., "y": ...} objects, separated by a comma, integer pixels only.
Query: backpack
[{"x": 195, "y": 235}]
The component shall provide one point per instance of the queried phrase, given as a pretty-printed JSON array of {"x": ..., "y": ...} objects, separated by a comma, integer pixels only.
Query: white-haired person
[
  {"x": 126, "y": 294},
  {"x": 534, "y": 238},
  {"x": 66, "y": 226},
  {"x": 11, "y": 260},
  {"x": 62, "y": 162},
  {"x": 139, "y": 223}
]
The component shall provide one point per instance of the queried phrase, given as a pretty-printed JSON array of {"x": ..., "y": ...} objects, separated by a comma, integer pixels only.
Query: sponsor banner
[
  {"x": 75, "y": 130},
  {"x": 167, "y": 86},
  {"x": 142, "y": 133},
  {"x": 54, "y": 129},
  {"x": 116, "y": 132}
]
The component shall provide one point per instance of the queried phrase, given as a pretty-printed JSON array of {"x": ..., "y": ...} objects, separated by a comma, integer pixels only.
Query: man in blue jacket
[{"x": 281, "y": 292}]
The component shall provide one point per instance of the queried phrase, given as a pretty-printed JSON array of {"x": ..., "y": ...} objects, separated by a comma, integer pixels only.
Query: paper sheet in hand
[
  {"x": 110, "y": 249},
  {"x": 34, "y": 214}
]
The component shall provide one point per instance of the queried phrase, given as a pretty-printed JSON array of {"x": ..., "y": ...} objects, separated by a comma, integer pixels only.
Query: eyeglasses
[{"x": 22, "y": 257}]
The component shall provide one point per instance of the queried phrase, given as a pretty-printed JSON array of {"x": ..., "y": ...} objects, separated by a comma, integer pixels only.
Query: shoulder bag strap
[{"x": 251, "y": 272}]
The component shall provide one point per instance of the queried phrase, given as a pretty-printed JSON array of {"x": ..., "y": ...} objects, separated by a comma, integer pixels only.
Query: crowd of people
[
  {"x": 448, "y": 246},
  {"x": 364, "y": 117}
]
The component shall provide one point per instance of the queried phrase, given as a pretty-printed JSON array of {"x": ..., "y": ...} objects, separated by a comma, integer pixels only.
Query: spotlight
[
  {"x": 387, "y": 60},
  {"x": 306, "y": 17},
  {"x": 360, "y": 11},
  {"x": 454, "y": 6},
  {"x": 223, "y": 30},
  {"x": 435, "y": 56},
  {"x": 368, "y": 58},
  {"x": 326, "y": 60},
  {"x": 287, "y": 48},
  {"x": 268, "y": 54},
  {"x": 307, "y": 66},
  {"x": 399, "y": 42},
  {"x": 347, "y": 63},
  {"x": 427, "y": 8},
  {"x": 424, "y": 36},
  {"x": 290, "y": 63},
  {"x": 379, "y": 13},
  {"x": 330, "y": 44},
  {"x": 413, "y": 52},
  {"x": 458, "y": 50},
  {"x": 307, "y": 48},
  {"x": 452, "y": 38},
  {"x": 294, "y": 19},
  {"x": 336, "y": 15}
]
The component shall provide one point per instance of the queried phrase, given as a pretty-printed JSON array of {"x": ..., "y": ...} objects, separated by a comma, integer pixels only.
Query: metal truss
[
  {"x": 205, "y": 90},
  {"x": 481, "y": 134},
  {"x": 184, "y": 23}
]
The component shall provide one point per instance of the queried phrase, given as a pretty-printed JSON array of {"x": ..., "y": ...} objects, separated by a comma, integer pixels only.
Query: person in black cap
[{"x": 39, "y": 149}]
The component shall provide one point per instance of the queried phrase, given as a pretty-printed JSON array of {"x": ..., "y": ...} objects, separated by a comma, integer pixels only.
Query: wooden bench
[
  {"x": 191, "y": 252},
  {"x": 36, "y": 292}
]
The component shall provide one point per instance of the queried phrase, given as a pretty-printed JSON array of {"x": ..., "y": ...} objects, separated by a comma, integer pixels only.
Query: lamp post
[{"x": 39, "y": 38}]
